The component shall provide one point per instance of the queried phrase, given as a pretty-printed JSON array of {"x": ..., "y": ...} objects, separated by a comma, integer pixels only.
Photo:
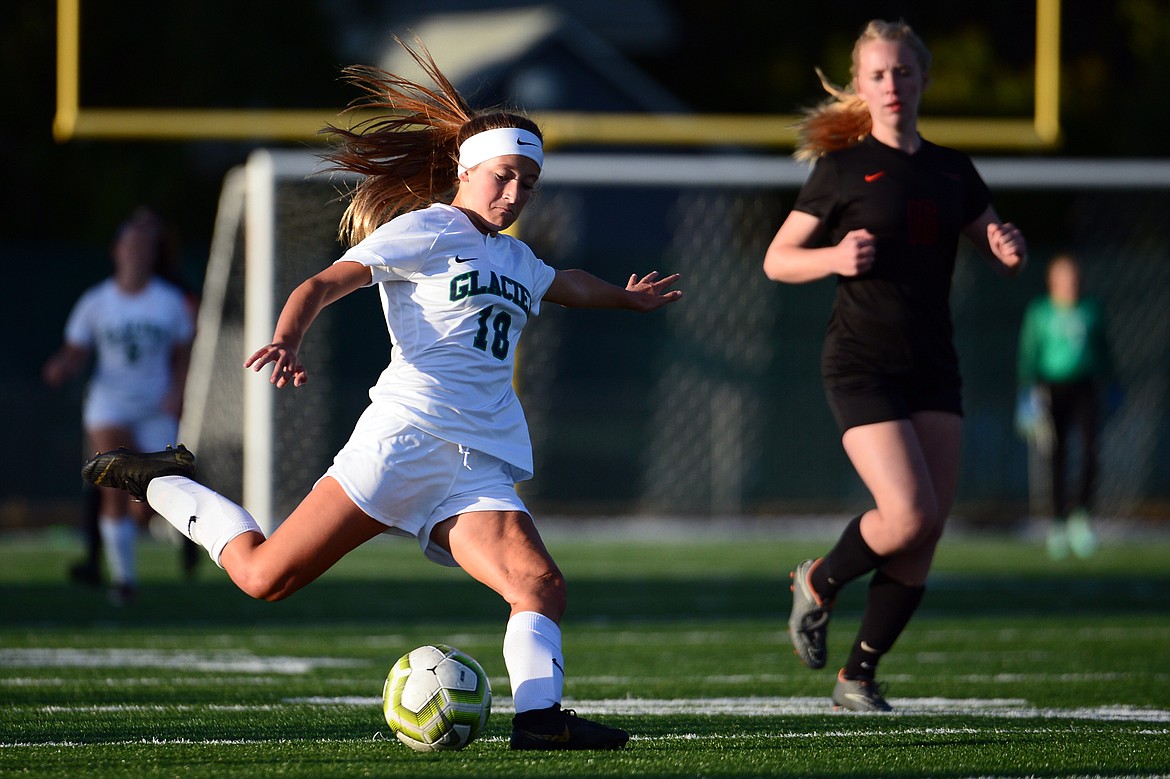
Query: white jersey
[
  {"x": 133, "y": 337},
  {"x": 455, "y": 302}
]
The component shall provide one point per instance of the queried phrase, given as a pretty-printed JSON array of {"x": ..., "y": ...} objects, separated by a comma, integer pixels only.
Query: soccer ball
[{"x": 436, "y": 698}]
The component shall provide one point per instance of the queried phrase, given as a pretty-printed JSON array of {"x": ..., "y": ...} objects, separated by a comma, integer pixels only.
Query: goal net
[{"x": 709, "y": 407}]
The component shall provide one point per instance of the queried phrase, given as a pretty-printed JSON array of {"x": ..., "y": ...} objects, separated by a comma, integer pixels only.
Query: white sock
[
  {"x": 119, "y": 537},
  {"x": 203, "y": 515},
  {"x": 536, "y": 666}
]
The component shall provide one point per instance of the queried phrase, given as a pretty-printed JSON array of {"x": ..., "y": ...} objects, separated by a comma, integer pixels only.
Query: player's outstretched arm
[
  {"x": 581, "y": 289},
  {"x": 299, "y": 312}
]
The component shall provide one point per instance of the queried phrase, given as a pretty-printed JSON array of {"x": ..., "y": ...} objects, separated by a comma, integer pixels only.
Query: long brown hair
[
  {"x": 408, "y": 154},
  {"x": 844, "y": 119},
  {"x": 164, "y": 245}
]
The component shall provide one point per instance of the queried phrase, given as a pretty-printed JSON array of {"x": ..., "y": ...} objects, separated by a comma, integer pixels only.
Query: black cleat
[
  {"x": 557, "y": 728},
  {"x": 123, "y": 594},
  {"x": 86, "y": 573},
  {"x": 132, "y": 471}
]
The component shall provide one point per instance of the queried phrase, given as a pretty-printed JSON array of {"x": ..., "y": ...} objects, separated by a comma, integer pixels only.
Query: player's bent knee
[
  {"x": 264, "y": 583},
  {"x": 908, "y": 527}
]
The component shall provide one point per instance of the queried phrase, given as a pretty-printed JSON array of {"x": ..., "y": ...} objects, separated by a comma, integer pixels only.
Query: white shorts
[
  {"x": 411, "y": 480},
  {"x": 151, "y": 427}
]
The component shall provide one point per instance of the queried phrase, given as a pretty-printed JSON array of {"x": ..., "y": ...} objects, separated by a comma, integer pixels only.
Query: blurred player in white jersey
[
  {"x": 438, "y": 451},
  {"x": 138, "y": 327}
]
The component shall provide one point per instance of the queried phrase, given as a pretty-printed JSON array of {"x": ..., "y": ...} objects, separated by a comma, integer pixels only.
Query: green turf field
[{"x": 1015, "y": 666}]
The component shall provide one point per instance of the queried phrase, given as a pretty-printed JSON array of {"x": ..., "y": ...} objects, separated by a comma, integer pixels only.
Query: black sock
[
  {"x": 846, "y": 561},
  {"x": 888, "y": 609}
]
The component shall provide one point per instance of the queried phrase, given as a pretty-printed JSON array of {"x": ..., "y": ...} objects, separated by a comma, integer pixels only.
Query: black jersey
[{"x": 895, "y": 318}]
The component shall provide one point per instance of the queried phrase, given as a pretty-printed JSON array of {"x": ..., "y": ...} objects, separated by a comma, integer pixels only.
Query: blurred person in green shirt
[{"x": 1064, "y": 366}]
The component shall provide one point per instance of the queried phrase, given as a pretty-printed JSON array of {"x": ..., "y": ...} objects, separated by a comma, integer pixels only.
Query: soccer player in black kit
[{"x": 882, "y": 211}]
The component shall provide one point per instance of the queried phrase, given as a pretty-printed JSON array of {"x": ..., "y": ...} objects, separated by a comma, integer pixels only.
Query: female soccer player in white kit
[
  {"x": 437, "y": 453},
  {"x": 138, "y": 328}
]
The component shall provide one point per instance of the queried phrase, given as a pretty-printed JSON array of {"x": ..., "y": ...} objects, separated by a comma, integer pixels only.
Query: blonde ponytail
[{"x": 840, "y": 121}]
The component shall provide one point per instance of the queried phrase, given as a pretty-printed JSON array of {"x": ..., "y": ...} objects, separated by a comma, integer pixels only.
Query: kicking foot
[{"x": 132, "y": 471}]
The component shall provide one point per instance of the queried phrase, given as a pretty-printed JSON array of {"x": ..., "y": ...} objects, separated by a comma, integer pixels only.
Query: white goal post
[{"x": 276, "y": 225}]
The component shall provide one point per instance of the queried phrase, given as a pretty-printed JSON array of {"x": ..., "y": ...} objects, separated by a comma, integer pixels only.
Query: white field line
[
  {"x": 152, "y": 681},
  {"x": 164, "y": 742},
  {"x": 667, "y": 737},
  {"x": 501, "y": 683},
  {"x": 204, "y": 661},
  {"x": 771, "y": 678},
  {"x": 1004, "y": 708},
  {"x": 252, "y": 667},
  {"x": 244, "y": 662},
  {"x": 1011, "y": 708},
  {"x": 818, "y": 735}
]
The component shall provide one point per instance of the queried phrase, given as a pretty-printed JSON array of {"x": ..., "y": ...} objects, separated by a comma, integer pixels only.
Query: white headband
[{"x": 497, "y": 143}]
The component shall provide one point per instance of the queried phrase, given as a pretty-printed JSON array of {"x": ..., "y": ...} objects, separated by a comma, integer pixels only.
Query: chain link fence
[{"x": 713, "y": 406}]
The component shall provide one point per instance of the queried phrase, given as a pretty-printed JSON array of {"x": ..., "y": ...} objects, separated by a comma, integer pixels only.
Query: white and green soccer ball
[{"x": 436, "y": 698}]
